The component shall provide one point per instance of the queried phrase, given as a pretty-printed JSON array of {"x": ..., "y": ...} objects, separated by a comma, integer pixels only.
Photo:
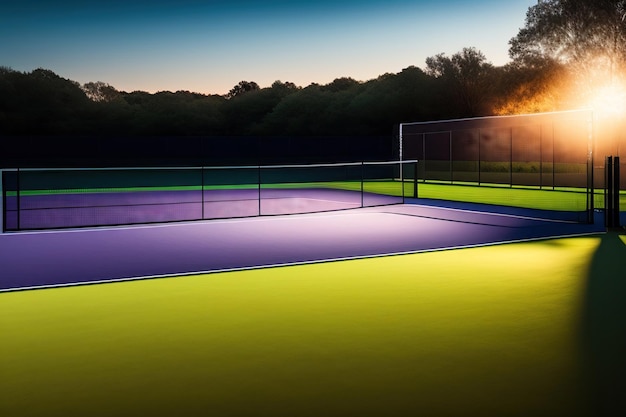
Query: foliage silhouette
[
  {"x": 588, "y": 36},
  {"x": 43, "y": 103}
]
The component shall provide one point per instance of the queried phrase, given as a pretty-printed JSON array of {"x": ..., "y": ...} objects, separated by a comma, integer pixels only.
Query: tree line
[
  {"x": 463, "y": 85},
  {"x": 42, "y": 102},
  {"x": 564, "y": 50}
]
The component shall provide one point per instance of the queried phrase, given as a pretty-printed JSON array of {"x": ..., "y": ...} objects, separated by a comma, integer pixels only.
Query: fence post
[
  {"x": 424, "y": 155},
  {"x": 401, "y": 153},
  {"x": 540, "y": 156},
  {"x": 553, "y": 157},
  {"x": 478, "y": 156},
  {"x": 608, "y": 189},
  {"x": 609, "y": 217},
  {"x": 616, "y": 189},
  {"x": 590, "y": 169},
  {"x": 511, "y": 157}
]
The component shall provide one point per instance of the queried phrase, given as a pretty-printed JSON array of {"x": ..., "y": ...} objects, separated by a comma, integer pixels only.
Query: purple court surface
[
  {"x": 30, "y": 260},
  {"x": 54, "y": 211}
]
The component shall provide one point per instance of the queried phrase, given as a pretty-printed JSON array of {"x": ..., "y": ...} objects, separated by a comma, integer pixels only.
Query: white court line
[
  {"x": 315, "y": 199},
  {"x": 319, "y": 261},
  {"x": 488, "y": 213}
]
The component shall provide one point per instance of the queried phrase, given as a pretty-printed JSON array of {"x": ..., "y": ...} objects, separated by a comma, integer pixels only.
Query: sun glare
[{"x": 610, "y": 100}]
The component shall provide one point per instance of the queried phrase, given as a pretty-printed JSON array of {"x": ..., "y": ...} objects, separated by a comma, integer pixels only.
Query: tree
[
  {"x": 466, "y": 78},
  {"x": 542, "y": 87},
  {"x": 340, "y": 84},
  {"x": 100, "y": 91},
  {"x": 378, "y": 106},
  {"x": 242, "y": 88},
  {"x": 587, "y": 35},
  {"x": 303, "y": 113},
  {"x": 47, "y": 103},
  {"x": 284, "y": 87}
]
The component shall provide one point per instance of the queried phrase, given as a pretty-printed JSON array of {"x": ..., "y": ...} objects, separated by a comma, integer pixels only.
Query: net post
[
  {"x": 18, "y": 198},
  {"x": 202, "y": 189},
  {"x": 259, "y": 187},
  {"x": 362, "y": 180},
  {"x": 402, "y": 183},
  {"x": 415, "y": 180}
]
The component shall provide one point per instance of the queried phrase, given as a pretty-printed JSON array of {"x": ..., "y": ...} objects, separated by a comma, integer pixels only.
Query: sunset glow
[{"x": 609, "y": 100}]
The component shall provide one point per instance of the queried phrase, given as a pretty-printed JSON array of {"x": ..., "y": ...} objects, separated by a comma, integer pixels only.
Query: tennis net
[{"x": 86, "y": 197}]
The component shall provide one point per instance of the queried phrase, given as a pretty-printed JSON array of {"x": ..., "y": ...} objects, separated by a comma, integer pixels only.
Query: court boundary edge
[{"x": 299, "y": 263}]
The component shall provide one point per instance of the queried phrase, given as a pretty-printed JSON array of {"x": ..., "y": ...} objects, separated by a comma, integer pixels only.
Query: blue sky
[{"x": 209, "y": 46}]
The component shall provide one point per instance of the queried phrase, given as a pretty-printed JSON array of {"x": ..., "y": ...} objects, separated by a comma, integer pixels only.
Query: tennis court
[
  {"x": 414, "y": 308},
  {"x": 67, "y": 257}
]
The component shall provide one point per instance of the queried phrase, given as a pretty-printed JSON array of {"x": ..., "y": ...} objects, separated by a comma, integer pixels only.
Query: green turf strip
[
  {"x": 560, "y": 199},
  {"x": 497, "y": 331},
  {"x": 383, "y": 187}
]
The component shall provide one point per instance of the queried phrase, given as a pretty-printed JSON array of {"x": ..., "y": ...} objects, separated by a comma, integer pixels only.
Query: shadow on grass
[{"x": 604, "y": 328}]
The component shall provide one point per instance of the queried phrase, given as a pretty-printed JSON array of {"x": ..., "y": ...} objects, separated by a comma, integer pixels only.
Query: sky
[{"x": 209, "y": 46}]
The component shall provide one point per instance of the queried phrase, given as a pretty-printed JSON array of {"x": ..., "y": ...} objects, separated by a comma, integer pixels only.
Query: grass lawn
[{"x": 510, "y": 330}]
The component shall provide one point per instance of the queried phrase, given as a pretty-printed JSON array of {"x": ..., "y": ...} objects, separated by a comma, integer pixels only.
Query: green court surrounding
[
  {"x": 557, "y": 199},
  {"x": 527, "y": 329}
]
